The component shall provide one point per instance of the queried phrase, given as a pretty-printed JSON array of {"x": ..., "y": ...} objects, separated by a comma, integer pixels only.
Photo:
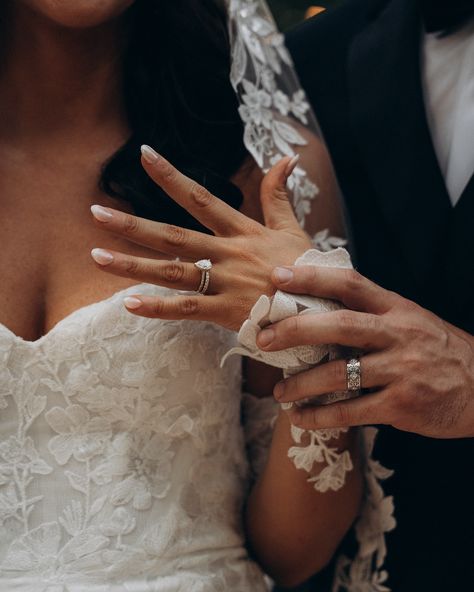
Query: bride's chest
[
  {"x": 104, "y": 384},
  {"x": 47, "y": 233},
  {"x": 104, "y": 418},
  {"x": 102, "y": 358}
]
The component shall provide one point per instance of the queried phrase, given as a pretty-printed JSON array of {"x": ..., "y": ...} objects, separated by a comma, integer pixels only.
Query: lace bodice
[{"x": 122, "y": 457}]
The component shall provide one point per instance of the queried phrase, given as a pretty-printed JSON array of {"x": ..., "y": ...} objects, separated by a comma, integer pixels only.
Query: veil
[{"x": 279, "y": 121}]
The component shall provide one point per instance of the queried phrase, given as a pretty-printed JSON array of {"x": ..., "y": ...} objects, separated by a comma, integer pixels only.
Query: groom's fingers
[
  {"x": 370, "y": 409},
  {"x": 346, "y": 285},
  {"x": 343, "y": 327},
  {"x": 331, "y": 377},
  {"x": 212, "y": 212}
]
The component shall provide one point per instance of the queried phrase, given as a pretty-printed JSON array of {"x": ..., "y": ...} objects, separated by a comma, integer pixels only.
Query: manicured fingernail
[
  {"x": 132, "y": 303},
  {"x": 101, "y": 214},
  {"x": 283, "y": 275},
  {"x": 150, "y": 155},
  {"x": 265, "y": 337},
  {"x": 101, "y": 256},
  {"x": 279, "y": 390},
  {"x": 290, "y": 167}
]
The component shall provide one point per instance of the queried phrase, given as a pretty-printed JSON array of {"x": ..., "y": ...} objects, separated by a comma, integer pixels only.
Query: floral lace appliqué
[
  {"x": 123, "y": 463},
  {"x": 273, "y": 102}
]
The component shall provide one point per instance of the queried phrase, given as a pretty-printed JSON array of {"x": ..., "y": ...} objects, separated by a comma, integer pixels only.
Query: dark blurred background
[{"x": 291, "y": 12}]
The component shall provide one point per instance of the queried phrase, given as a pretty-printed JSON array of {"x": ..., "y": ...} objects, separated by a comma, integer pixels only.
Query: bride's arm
[{"x": 294, "y": 530}]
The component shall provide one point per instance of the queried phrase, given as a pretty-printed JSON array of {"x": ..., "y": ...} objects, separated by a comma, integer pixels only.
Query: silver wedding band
[
  {"x": 204, "y": 266},
  {"x": 354, "y": 375}
]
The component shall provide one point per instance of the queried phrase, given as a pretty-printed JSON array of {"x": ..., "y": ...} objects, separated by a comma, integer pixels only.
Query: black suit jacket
[{"x": 360, "y": 65}]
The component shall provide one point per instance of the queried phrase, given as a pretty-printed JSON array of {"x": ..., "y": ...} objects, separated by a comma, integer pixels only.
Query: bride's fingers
[
  {"x": 276, "y": 207},
  {"x": 165, "y": 238},
  {"x": 212, "y": 212},
  {"x": 195, "y": 308},
  {"x": 332, "y": 377},
  {"x": 169, "y": 274}
]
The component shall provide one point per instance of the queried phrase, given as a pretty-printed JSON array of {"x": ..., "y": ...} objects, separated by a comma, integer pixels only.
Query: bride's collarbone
[
  {"x": 47, "y": 272},
  {"x": 34, "y": 299}
]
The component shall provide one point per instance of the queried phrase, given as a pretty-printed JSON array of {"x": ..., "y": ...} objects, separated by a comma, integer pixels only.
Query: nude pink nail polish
[
  {"x": 292, "y": 165},
  {"x": 149, "y": 155},
  {"x": 101, "y": 213},
  {"x": 101, "y": 256}
]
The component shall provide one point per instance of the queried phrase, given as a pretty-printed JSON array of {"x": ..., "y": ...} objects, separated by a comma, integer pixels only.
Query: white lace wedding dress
[{"x": 122, "y": 457}]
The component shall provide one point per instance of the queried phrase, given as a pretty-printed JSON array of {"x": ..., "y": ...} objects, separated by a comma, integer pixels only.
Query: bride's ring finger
[
  {"x": 332, "y": 377},
  {"x": 176, "y": 275}
]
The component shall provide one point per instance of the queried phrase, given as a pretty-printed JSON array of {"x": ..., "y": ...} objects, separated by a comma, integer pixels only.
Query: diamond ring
[{"x": 204, "y": 266}]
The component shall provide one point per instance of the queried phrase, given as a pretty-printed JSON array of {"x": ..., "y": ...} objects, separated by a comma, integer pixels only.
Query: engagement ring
[{"x": 204, "y": 266}]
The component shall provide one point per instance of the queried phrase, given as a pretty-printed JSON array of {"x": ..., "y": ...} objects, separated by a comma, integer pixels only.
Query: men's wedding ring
[
  {"x": 354, "y": 375},
  {"x": 204, "y": 266}
]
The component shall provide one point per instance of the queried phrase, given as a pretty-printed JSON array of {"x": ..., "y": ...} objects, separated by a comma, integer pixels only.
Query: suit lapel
[{"x": 388, "y": 117}]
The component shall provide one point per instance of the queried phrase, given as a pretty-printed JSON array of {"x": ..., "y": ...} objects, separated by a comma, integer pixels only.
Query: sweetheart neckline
[{"x": 68, "y": 317}]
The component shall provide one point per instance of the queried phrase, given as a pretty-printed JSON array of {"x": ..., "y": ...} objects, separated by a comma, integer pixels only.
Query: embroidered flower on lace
[
  {"x": 22, "y": 456},
  {"x": 364, "y": 572},
  {"x": 317, "y": 451},
  {"x": 323, "y": 241},
  {"x": 79, "y": 435},
  {"x": 143, "y": 466}
]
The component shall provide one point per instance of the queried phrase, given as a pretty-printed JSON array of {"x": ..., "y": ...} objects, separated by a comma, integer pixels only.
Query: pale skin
[{"x": 61, "y": 119}]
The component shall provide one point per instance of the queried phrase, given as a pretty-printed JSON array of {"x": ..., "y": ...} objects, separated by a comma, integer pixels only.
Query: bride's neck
[{"x": 56, "y": 79}]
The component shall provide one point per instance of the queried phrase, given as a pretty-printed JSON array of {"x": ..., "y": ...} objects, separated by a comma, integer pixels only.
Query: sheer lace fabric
[
  {"x": 123, "y": 462},
  {"x": 278, "y": 119}
]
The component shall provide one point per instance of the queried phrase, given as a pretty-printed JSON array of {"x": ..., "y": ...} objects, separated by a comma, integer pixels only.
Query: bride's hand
[{"x": 243, "y": 252}]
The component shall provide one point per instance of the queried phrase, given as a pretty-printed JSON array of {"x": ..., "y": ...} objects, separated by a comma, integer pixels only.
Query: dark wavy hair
[{"x": 179, "y": 100}]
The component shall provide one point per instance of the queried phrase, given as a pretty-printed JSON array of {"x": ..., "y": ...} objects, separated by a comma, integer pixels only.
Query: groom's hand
[{"x": 419, "y": 368}]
